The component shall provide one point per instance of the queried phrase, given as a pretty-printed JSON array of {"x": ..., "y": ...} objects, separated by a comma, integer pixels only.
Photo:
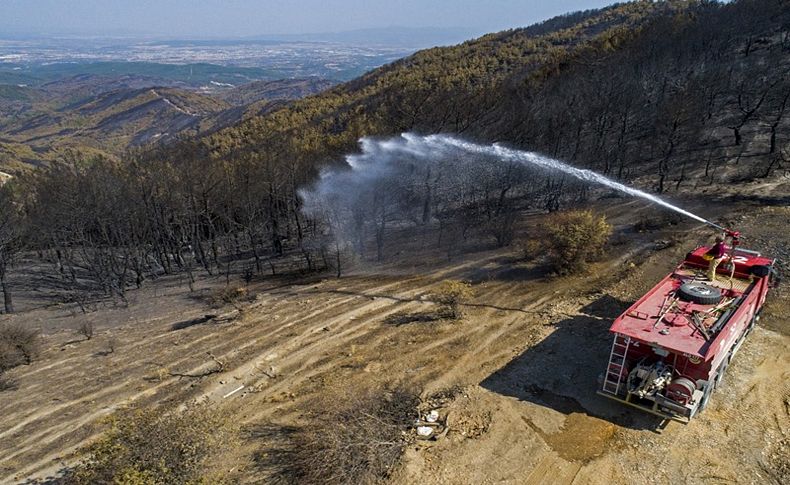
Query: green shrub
[
  {"x": 531, "y": 249},
  {"x": 451, "y": 294},
  {"x": 575, "y": 238}
]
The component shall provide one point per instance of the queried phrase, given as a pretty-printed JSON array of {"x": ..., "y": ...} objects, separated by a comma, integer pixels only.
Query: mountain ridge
[{"x": 108, "y": 115}]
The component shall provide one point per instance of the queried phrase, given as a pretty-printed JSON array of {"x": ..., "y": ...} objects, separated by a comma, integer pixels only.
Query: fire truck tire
[
  {"x": 761, "y": 270},
  {"x": 705, "y": 397},
  {"x": 700, "y": 293},
  {"x": 722, "y": 370},
  {"x": 752, "y": 324}
]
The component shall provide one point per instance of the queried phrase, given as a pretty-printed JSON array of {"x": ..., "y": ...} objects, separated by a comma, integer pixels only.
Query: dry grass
[
  {"x": 18, "y": 345},
  {"x": 86, "y": 329},
  {"x": 229, "y": 294},
  {"x": 158, "y": 446},
  {"x": 357, "y": 439},
  {"x": 531, "y": 249}
]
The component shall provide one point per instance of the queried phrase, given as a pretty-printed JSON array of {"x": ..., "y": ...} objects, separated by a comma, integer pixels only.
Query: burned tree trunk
[
  {"x": 8, "y": 302},
  {"x": 10, "y": 237}
]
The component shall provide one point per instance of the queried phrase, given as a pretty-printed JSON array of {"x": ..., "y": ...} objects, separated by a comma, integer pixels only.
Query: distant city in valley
[
  {"x": 335, "y": 56},
  {"x": 102, "y": 95}
]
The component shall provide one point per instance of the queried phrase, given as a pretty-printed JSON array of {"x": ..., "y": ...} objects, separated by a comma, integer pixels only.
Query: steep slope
[
  {"x": 281, "y": 89},
  {"x": 450, "y": 88},
  {"x": 110, "y": 122},
  {"x": 643, "y": 102},
  {"x": 670, "y": 96},
  {"x": 637, "y": 89}
]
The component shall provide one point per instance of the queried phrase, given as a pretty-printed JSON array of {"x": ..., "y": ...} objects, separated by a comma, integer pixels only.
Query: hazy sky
[{"x": 239, "y": 18}]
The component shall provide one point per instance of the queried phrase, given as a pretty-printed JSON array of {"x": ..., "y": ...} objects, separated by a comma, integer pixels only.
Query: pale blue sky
[{"x": 240, "y": 18}]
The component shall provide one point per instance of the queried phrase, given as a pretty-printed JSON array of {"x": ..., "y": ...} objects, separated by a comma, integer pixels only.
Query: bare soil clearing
[{"x": 525, "y": 358}]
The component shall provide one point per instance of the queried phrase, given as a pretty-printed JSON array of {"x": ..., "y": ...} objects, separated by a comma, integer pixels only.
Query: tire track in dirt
[
  {"x": 298, "y": 366},
  {"x": 37, "y": 439},
  {"x": 282, "y": 326},
  {"x": 370, "y": 343},
  {"x": 475, "y": 358},
  {"x": 353, "y": 309},
  {"x": 299, "y": 369},
  {"x": 339, "y": 307},
  {"x": 62, "y": 409},
  {"x": 219, "y": 334},
  {"x": 370, "y": 319}
]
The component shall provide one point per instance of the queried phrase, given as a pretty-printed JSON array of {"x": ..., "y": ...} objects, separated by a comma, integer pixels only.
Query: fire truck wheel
[
  {"x": 722, "y": 370},
  {"x": 700, "y": 293},
  {"x": 761, "y": 270},
  {"x": 752, "y": 324},
  {"x": 705, "y": 397}
]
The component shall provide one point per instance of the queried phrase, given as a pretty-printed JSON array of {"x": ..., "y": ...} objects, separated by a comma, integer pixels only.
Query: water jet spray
[
  {"x": 440, "y": 142},
  {"x": 382, "y": 161}
]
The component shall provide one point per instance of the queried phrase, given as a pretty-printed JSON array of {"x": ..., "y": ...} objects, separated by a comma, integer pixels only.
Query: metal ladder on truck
[{"x": 614, "y": 371}]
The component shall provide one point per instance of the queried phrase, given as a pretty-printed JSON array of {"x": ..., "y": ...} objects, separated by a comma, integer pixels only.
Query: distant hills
[
  {"x": 91, "y": 115},
  {"x": 640, "y": 90},
  {"x": 418, "y": 37},
  {"x": 66, "y": 98},
  {"x": 279, "y": 90}
]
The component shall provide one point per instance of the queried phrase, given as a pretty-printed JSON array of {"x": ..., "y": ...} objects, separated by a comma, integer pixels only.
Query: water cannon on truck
[{"x": 671, "y": 348}]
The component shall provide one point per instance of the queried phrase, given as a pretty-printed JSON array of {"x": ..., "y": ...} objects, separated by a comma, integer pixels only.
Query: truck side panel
[{"x": 738, "y": 323}]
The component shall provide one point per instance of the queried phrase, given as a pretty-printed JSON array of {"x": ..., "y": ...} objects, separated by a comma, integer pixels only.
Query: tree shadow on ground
[
  {"x": 192, "y": 322},
  {"x": 8, "y": 384},
  {"x": 275, "y": 459},
  {"x": 404, "y": 318},
  {"x": 759, "y": 199},
  {"x": 508, "y": 269},
  {"x": 561, "y": 372},
  {"x": 59, "y": 479}
]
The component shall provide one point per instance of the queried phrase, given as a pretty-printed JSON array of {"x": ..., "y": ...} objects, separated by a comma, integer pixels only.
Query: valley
[{"x": 104, "y": 116}]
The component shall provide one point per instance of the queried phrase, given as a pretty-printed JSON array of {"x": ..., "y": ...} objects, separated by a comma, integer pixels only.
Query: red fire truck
[{"x": 672, "y": 347}]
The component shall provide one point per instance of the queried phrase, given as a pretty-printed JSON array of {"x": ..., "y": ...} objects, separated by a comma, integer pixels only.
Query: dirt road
[{"x": 525, "y": 359}]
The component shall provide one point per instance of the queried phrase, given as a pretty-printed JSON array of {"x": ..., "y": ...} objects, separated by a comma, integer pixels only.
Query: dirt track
[{"x": 526, "y": 357}]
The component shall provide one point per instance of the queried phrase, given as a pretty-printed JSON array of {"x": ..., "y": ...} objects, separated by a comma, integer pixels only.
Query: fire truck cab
[{"x": 672, "y": 347}]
